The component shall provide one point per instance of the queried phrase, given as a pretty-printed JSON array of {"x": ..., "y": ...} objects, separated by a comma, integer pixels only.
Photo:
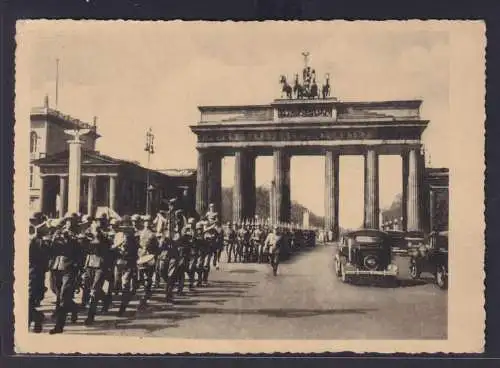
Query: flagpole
[{"x": 57, "y": 81}]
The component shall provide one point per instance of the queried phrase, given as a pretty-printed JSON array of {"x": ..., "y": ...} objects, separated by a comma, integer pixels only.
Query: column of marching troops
[{"x": 81, "y": 254}]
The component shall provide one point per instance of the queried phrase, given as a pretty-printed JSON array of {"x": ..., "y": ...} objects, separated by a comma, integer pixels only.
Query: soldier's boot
[
  {"x": 126, "y": 296},
  {"x": 92, "y": 311},
  {"x": 74, "y": 312},
  {"x": 181, "y": 280},
  {"x": 60, "y": 317},
  {"x": 107, "y": 302},
  {"x": 205, "y": 277},
  {"x": 169, "y": 291},
  {"x": 191, "y": 280},
  {"x": 200, "y": 278},
  {"x": 85, "y": 297}
]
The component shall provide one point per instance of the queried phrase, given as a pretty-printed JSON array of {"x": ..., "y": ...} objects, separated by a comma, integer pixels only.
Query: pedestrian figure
[{"x": 274, "y": 242}]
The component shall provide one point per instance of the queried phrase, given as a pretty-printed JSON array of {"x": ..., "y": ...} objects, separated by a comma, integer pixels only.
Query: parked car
[
  {"x": 365, "y": 252},
  {"x": 397, "y": 239},
  {"x": 431, "y": 257}
]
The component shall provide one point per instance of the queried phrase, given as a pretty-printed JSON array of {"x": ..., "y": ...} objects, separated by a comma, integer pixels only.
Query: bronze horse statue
[
  {"x": 298, "y": 89},
  {"x": 287, "y": 89},
  {"x": 326, "y": 87},
  {"x": 314, "y": 90}
]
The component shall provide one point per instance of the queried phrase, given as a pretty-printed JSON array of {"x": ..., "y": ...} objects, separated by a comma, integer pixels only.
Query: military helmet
[
  {"x": 191, "y": 220},
  {"x": 146, "y": 218},
  {"x": 113, "y": 221},
  {"x": 135, "y": 217}
]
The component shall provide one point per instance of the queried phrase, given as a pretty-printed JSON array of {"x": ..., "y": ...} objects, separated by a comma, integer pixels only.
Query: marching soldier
[
  {"x": 258, "y": 238},
  {"x": 274, "y": 242},
  {"x": 96, "y": 267},
  {"x": 64, "y": 268},
  {"x": 38, "y": 264},
  {"x": 148, "y": 252},
  {"x": 201, "y": 249},
  {"x": 217, "y": 245},
  {"x": 230, "y": 240},
  {"x": 125, "y": 248},
  {"x": 212, "y": 215},
  {"x": 190, "y": 253}
]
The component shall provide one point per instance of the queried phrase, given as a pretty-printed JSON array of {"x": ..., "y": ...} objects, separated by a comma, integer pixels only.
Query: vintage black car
[
  {"x": 365, "y": 252},
  {"x": 432, "y": 257}
]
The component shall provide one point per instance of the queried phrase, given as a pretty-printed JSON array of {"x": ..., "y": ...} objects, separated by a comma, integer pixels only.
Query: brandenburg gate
[{"x": 304, "y": 123}]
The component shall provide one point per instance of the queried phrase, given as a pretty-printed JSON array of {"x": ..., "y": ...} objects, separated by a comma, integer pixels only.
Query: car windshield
[{"x": 368, "y": 239}]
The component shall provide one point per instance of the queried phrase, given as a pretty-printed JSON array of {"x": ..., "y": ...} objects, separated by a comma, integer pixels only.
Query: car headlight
[{"x": 392, "y": 267}]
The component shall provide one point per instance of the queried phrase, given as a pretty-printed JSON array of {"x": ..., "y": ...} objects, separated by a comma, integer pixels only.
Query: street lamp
[{"x": 149, "y": 148}]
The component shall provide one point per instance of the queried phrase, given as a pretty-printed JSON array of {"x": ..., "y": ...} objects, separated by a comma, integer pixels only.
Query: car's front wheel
[
  {"x": 338, "y": 266},
  {"x": 442, "y": 277},
  {"x": 414, "y": 270},
  {"x": 343, "y": 275}
]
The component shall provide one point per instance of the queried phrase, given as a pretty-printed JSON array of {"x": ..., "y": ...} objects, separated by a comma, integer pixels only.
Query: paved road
[{"x": 305, "y": 301}]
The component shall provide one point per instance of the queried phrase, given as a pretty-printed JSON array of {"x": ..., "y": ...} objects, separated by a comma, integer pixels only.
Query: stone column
[
  {"x": 112, "y": 193},
  {"x": 239, "y": 186},
  {"x": 272, "y": 203},
  {"x": 42, "y": 200},
  {"x": 202, "y": 183},
  {"x": 282, "y": 188},
  {"x": 74, "y": 175},
  {"x": 371, "y": 190},
  {"x": 90, "y": 195},
  {"x": 404, "y": 196},
  {"x": 413, "y": 210},
  {"x": 62, "y": 196},
  {"x": 432, "y": 210},
  {"x": 249, "y": 197},
  {"x": 214, "y": 181},
  {"x": 332, "y": 192}
]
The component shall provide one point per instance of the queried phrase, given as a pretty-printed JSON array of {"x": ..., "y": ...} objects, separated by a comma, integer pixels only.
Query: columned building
[
  {"x": 106, "y": 184},
  {"x": 433, "y": 204},
  {"x": 310, "y": 126},
  {"x": 47, "y": 137}
]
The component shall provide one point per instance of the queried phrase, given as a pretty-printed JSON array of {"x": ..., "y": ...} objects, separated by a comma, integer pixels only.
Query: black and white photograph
[{"x": 252, "y": 187}]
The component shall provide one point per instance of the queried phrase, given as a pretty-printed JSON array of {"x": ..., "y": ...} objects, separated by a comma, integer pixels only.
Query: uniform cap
[
  {"x": 135, "y": 217},
  {"x": 172, "y": 200},
  {"x": 191, "y": 220}
]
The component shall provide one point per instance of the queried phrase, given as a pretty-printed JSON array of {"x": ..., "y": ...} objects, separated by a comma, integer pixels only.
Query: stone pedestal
[
  {"x": 74, "y": 175},
  {"x": 371, "y": 217},
  {"x": 332, "y": 192}
]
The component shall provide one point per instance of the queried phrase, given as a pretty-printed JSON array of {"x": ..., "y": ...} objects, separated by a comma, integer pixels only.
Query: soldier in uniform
[
  {"x": 148, "y": 253},
  {"x": 125, "y": 248},
  {"x": 274, "y": 242},
  {"x": 201, "y": 250},
  {"x": 258, "y": 238},
  {"x": 64, "y": 268},
  {"x": 212, "y": 216},
  {"x": 230, "y": 242},
  {"x": 38, "y": 264},
  {"x": 189, "y": 255},
  {"x": 96, "y": 267}
]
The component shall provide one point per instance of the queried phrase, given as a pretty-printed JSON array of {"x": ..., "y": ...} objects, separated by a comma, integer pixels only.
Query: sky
[{"x": 136, "y": 75}]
